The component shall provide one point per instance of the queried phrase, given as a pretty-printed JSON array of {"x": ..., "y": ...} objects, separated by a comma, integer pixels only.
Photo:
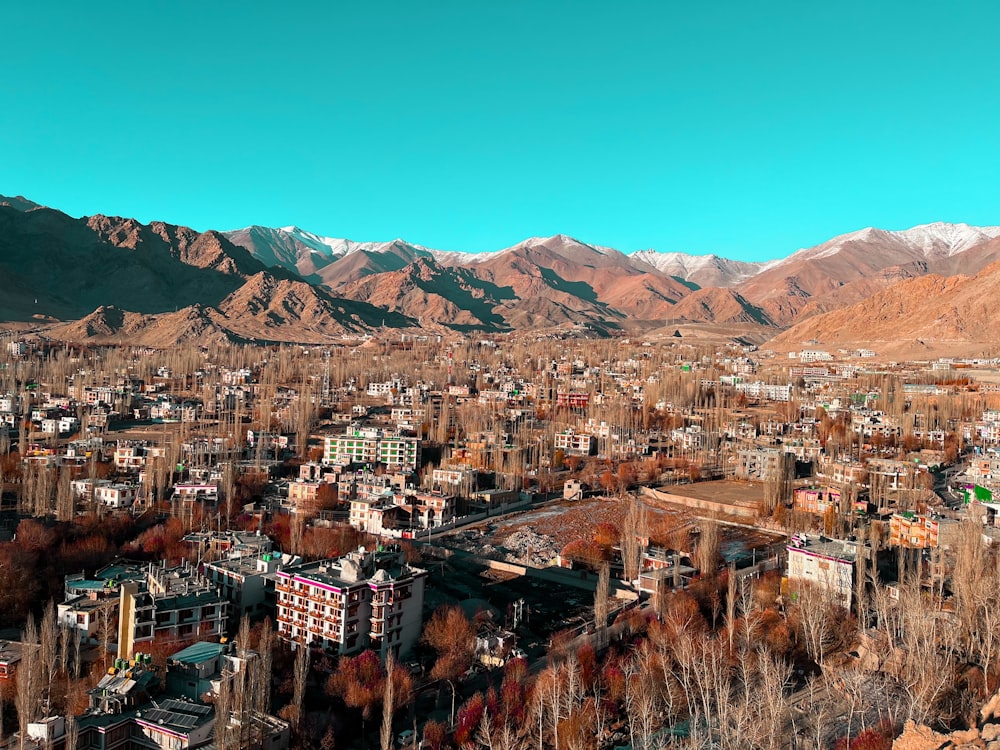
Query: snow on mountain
[
  {"x": 926, "y": 241},
  {"x": 940, "y": 238},
  {"x": 334, "y": 246},
  {"x": 704, "y": 270}
]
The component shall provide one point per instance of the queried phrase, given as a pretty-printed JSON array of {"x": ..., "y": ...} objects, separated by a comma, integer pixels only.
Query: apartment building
[
  {"x": 371, "y": 446},
  {"x": 247, "y": 583},
  {"x": 170, "y": 604},
  {"x": 575, "y": 443},
  {"x": 367, "y": 599},
  {"x": 921, "y": 531}
]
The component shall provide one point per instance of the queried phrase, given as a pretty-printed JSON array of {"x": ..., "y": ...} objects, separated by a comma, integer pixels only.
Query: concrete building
[
  {"x": 575, "y": 443},
  {"x": 370, "y": 446},
  {"x": 247, "y": 583},
  {"x": 825, "y": 563},
  {"x": 816, "y": 500},
  {"x": 759, "y": 464},
  {"x": 363, "y": 600},
  {"x": 171, "y": 604},
  {"x": 118, "y": 495}
]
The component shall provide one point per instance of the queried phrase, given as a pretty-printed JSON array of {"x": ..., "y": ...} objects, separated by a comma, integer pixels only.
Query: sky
[{"x": 746, "y": 129}]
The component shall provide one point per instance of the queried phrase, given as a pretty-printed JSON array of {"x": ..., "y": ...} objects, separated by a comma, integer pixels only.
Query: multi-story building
[
  {"x": 247, "y": 583},
  {"x": 363, "y": 600},
  {"x": 816, "y": 500},
  {"x": 759, "y": 463},
  {"x": 171, "y": 604},
  {"x": 758, "y": 389},
  {"x": 117, "y": 495},
  {"x": 575, "y": 443},
  {"x": 919, "y": 531},
  {"x": 826, "y": 564},
  {"x": 371, "y": 446}
]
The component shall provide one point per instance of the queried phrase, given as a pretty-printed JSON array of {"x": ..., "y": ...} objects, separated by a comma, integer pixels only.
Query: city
[{"x": 615, "y": 542}]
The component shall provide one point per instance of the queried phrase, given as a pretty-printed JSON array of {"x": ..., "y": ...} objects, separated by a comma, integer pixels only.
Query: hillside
[{"x": 958, "y": 311}]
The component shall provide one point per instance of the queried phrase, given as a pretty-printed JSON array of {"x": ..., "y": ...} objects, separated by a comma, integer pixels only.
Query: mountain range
[{"x": 112, "y": 278}]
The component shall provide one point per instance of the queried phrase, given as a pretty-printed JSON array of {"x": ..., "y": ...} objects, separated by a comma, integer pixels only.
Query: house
[
  {"x": 826, "y": 563},
  {"x": 117, "y": 495},
  {"x": 10, "y": 655},
  {"x": 575, "y": 443}
]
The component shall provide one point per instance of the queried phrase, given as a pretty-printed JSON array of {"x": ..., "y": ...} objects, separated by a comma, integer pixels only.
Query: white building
[
  {"x": 118, "y": 495},
  {"x": 363, "y": 600},
  {"x": 575, "y": 443},
  {"x": 827, "y": 564}
]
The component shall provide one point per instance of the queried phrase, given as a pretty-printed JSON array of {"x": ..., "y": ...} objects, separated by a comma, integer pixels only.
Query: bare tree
[
  {"x": 601, "y": 605},
  {"x": 388, "y": 702},
  {"x": 48, "y": 651},
  {"x": 707, "y": 552},
  {"x": 634, "y": 530},
  {"x": 29, "y": 685},
  {"x": 72, "y": 732},
  {"x": 266, "y": 649},
  {"x": 300, "y": 673}
]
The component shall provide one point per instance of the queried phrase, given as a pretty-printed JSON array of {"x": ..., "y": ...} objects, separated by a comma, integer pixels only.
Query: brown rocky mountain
[
  {"x": 264, "y": 309},
  {"x": 578, "y": 279},
  {"x": 786, "y": 289},
  {"x": 195, "y": 324},
  {"x": 430, "y": 293},
  {"x": 538, "y": 283},
  {"x": 556, "y": 280},
  {"x": 722, "y": 306},
  {"x": 148, "y": 280},
  {"x": 270, "y": 309},
  {"x": 960, "y": 311},
  {"x": 64, "y": 268}
]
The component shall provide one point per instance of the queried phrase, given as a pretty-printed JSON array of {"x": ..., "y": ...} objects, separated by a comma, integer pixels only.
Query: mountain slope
[
  {"x": 958, "y": 310},
  {"x": 577, "y": 276},
  {"x": 19, "y": 203},
  {"x": 71, "y": 267},
  {"x": 703, "y": 270},
  {"x": 326, "y": 260},
  {"x": 784, "y": 289},
  {"x": 716, "y": 305},
  {"x": 454, "y": 297}
]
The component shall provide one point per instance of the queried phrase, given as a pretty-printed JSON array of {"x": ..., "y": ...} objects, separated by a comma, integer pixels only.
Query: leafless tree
[
  {"x": 634, "y": 530},
  {"x": 29, "y": 683},
  {"x": 601, "y": 605},
  {"x": 300, "y": 673},
  {"x": 707, "y": 552},
  {"x": 48, "y": 651},
  {"x": 388, "y": 702},
  {"x": 72, "y": 732}
]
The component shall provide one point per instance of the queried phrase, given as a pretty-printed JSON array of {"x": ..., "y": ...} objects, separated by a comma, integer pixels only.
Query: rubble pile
[{"x": 529, "y": 547}]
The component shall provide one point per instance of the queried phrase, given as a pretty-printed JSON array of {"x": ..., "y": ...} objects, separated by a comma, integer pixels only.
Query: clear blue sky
[{"x": 748, "y": 129}]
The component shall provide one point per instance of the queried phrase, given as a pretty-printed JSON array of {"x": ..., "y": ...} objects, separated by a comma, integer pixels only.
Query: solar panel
[
  {"x": 183, "y": 720},
  {"x": 184, "y": 707}
]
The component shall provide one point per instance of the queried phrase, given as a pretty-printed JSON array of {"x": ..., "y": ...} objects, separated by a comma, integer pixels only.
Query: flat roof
[
  {"x": 200, "y": 652},
  {"x": 727, "y": 491}
]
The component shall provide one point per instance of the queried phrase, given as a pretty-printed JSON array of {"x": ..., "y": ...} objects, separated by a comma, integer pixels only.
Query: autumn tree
[{"x": 452, "y": 636}]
